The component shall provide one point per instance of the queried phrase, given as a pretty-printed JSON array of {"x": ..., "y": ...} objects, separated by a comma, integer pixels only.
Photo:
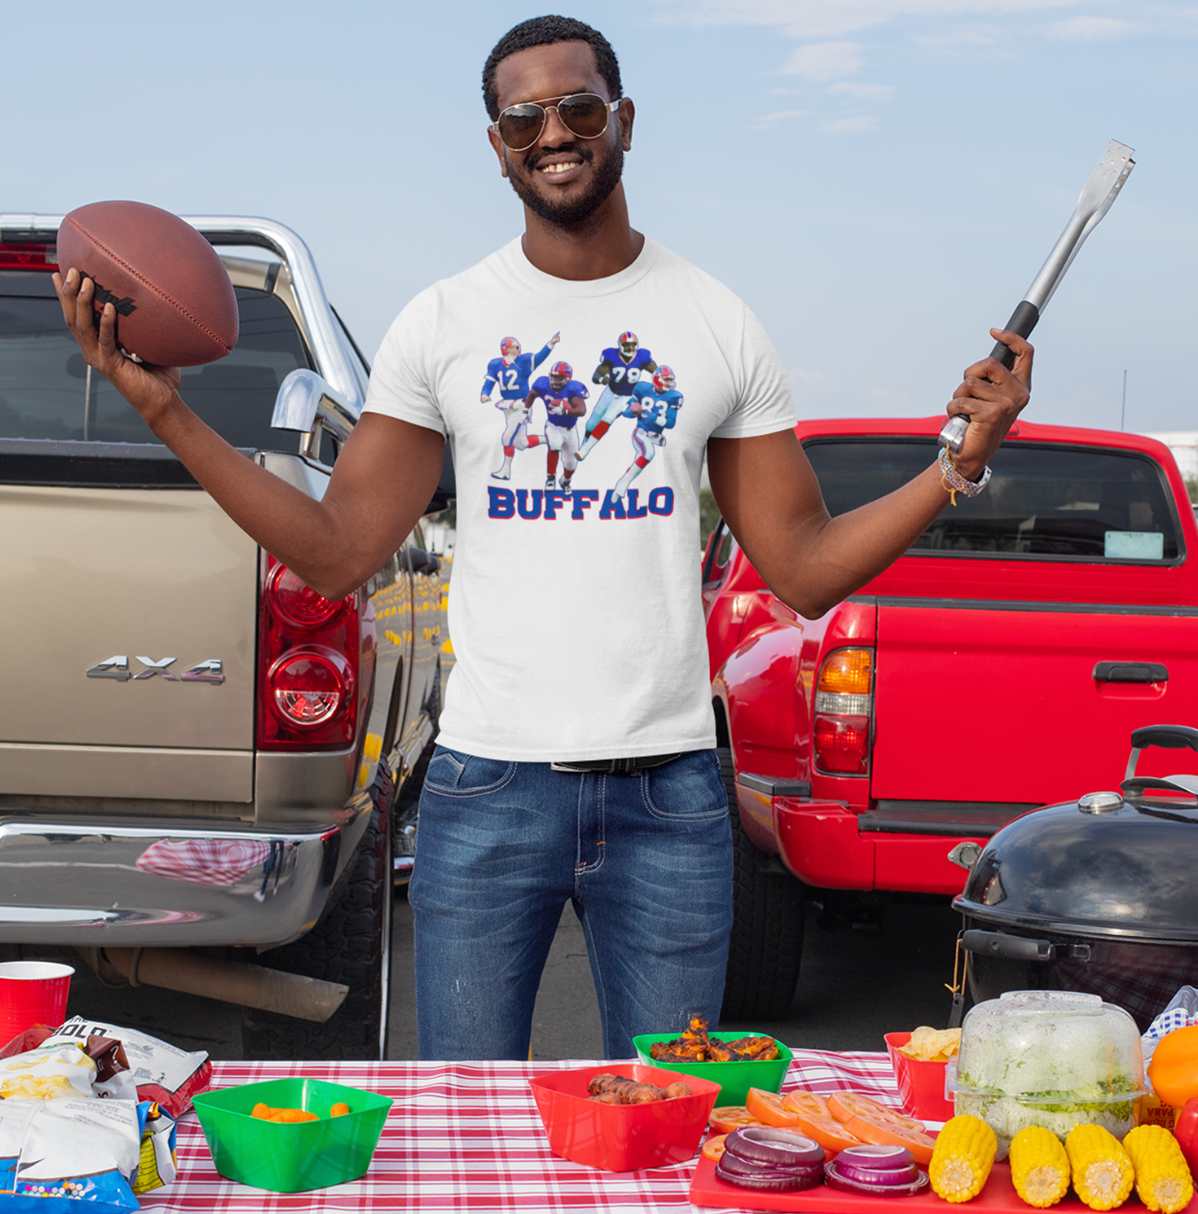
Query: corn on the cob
[
  {"x": 962, "y": 1158},
  {"x": 1101, "y": 1171},
  {"x": 1163, "y": 1179},
  {"x": 1039, "y": 1166}
]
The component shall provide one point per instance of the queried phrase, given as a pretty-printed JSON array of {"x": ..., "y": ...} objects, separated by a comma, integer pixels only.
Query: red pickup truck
[{"x": 1000, "y": 664}]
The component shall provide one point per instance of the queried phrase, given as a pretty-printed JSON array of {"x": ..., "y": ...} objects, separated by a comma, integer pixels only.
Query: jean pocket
[
  {"x": 452, "y": 773},
  {"x": 688, "y": 789}
]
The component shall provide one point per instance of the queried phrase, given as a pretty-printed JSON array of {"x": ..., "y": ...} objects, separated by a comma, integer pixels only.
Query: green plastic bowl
[
  {"x": 291, "y": 1157},
  {"x": 735, "y": 1078}
]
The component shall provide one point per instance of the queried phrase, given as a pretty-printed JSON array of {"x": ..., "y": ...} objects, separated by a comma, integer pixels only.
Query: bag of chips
[
  {"x": 158, "y": 1071},
  {"x": 50, "y": 1072},
  {"x": 66, "y": 1156}
]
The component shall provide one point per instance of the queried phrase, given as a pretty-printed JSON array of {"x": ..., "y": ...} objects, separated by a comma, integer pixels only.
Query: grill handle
[
  {"x": 1009, "y": 948},
  {"x": 1171, "y": 737}
]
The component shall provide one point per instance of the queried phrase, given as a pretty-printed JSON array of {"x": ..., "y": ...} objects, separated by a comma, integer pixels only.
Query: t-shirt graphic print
[{"x": 574, "y": 605}]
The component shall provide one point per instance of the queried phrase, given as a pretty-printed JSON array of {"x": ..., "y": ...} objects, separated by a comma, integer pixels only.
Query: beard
[{"x": 577, "y": 210}]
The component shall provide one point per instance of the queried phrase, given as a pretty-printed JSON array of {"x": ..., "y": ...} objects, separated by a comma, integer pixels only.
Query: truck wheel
[
  {"x": 351, "y": 944},
  {"x": 768, "y": 911}
]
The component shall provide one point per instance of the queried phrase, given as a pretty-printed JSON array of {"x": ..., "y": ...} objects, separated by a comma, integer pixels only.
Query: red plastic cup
[
  {"x": 32, "y": 992},
  {"x": 920, "y": 1084}
]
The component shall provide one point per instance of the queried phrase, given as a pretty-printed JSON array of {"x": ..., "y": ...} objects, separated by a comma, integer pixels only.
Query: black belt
[{"x": 617, "y": 767}]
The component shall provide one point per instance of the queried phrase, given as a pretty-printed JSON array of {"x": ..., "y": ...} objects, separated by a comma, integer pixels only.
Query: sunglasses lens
[
  {"x": 519, "y": 125},
  {"x": 584, "y": 114}
]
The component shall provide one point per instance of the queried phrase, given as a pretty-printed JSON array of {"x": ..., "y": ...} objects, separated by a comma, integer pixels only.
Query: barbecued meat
[
  {"x": 616, "y": 1089},
  {"x": 694, "y": 1045}
]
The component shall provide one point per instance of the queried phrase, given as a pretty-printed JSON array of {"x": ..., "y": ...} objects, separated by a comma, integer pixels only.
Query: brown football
[{"x": 175, "y": 304}]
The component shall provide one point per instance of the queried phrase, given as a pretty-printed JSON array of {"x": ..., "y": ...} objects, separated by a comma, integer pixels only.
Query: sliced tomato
[
  {"x": 844, "y": 1105},
  {"x": 806, "y": 1103},
  {"x": 729, "y": 1117},
  {"x": 770, "y": 1109},
  {"x": 713, "y": 1148},
  {"x": 828, "y": 1132},
  {"x": 890, "y": 1133}
]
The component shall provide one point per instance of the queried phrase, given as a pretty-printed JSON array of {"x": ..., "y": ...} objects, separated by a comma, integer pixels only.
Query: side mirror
[
  {"x": 419, "y": 561},
  {"x": 310, "y": 405}
]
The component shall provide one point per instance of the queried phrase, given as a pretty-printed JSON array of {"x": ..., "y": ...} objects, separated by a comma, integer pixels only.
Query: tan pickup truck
[{"x": 200, "y": 758}]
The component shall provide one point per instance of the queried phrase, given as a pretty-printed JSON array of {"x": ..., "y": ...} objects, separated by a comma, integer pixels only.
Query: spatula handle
[{"x": 1023, "y": 321}]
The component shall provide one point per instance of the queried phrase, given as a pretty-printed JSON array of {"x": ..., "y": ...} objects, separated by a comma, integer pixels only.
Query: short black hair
[{"x": 544, "y": 31}]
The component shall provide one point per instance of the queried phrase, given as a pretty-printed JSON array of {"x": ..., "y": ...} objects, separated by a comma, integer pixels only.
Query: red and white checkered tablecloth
[{"x": 466, "y": 1136}]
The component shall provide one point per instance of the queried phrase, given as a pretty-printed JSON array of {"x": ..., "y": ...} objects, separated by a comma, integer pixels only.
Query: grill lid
[{"x": 1107, "y": 865}]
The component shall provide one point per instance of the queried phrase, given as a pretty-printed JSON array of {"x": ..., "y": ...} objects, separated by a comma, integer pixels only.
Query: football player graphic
[
  {"x": 565, "y": 402},
  {"x": 511, "y": 372},
  {"x": 619, "y": 370},
  {"x": 655, "y": 406}
]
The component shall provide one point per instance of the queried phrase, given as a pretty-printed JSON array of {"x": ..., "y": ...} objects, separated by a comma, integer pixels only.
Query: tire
[
  {"x": 768, "y": 911},
  {"x": 350, "y": 944}
]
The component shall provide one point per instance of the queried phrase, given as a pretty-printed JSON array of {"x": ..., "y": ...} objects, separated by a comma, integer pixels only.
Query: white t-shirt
[{"x": 576, "y": 621}]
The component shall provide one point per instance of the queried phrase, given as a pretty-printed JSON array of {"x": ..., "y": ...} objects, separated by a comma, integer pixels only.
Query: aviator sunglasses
[{"x": 582, "y": 114}]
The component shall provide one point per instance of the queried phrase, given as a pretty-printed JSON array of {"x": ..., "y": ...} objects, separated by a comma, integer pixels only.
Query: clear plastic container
[{"x": 1051, "y": 1058}]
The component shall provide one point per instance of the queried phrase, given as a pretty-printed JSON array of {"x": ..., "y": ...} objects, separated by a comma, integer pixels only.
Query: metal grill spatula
[{"x": 1095, "y": 200}]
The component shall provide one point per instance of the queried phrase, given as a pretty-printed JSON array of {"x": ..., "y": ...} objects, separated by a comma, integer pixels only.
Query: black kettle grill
[{"x": 1097, "y": 895}]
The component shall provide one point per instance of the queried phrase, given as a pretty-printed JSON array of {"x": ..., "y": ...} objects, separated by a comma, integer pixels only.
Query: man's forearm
[{"x": 831, "y": 558}]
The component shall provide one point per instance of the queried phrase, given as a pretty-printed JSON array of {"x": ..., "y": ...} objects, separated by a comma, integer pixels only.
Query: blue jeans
[{"x": 645, "y": 859}]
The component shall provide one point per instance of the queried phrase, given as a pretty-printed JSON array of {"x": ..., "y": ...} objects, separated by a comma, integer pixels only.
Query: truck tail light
[
  {"x": 843, "y": 708},
  {"x": 28, "y": 256},
  {"x": 308, "y": 656}
]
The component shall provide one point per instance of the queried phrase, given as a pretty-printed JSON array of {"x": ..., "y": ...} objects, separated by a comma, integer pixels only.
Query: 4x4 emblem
[{"x": 117, "y": 667}]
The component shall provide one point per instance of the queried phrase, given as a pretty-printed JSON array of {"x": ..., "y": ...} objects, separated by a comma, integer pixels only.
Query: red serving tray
[{"x": 998, "y": 1194}]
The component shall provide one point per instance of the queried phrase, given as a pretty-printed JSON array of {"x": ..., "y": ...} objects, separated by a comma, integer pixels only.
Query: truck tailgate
[
  {"x": 97, "y": 575},
  {"x": 999, "y": 703}
]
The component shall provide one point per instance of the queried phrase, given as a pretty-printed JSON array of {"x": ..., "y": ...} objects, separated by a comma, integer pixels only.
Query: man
[
  {"x": 620, "y": 368},
  {"x": 602, "y": 790},
  {"x": 565, "y": 403},
  {"x": 511, "y": 371},
  {"x": 655, "y": 407}
]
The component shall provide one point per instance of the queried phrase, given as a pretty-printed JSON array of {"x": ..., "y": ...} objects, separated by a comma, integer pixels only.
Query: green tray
[
  {"x": 291, "y": 1157},
  {"x": 735, "y": 1078}
]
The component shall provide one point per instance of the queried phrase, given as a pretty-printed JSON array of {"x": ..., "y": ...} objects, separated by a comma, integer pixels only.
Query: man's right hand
[{"x": 148, "y": 389}]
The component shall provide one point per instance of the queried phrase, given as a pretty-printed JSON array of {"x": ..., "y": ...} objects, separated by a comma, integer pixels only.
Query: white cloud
[
  {"x": 822, "y": 19},
  {"x": 967, "y": 41},
  {"x": 767, "y": 121},
  {"x": 864, "y": 92},
  {"x": 1091, "y": 29},
  {"x": 823, "y": 61},
  {"x": 848, "y": 126}
]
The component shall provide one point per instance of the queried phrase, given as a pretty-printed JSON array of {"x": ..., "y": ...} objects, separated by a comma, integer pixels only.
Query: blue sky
[{"x": 879, "y": 179}]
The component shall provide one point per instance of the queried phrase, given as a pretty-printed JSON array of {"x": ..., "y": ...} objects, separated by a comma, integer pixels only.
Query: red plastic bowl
[
  {"x": 622, "y": 1137},
  {"x": 920, "y": 1084}
]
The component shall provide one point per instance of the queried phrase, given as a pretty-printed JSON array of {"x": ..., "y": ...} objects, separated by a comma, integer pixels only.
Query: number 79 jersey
[{"x": 623, "y": 377}]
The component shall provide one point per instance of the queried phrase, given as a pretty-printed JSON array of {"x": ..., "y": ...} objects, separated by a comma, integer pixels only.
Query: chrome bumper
[{"x": 80, "y": 882}]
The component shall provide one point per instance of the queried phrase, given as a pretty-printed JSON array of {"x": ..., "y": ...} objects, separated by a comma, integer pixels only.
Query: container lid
[
  {"x": 1103, "y": 866},
  {"x": 1048, "y": 1048}
]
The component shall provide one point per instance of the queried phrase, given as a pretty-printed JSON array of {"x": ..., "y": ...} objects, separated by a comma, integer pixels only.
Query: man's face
[
  {"x": 563, "y": 179},
  {"x": 557, "y": 382}
]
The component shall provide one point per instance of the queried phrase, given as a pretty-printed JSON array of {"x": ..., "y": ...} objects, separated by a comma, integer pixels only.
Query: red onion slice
[
  {"x": 872, "y": 1188},
  {"x": 877, "y": 1164},
  {"x": 768, "y": 1180},
  {"x": 763, "y": 1144},
  {"x": 752, "y": 1167}
]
